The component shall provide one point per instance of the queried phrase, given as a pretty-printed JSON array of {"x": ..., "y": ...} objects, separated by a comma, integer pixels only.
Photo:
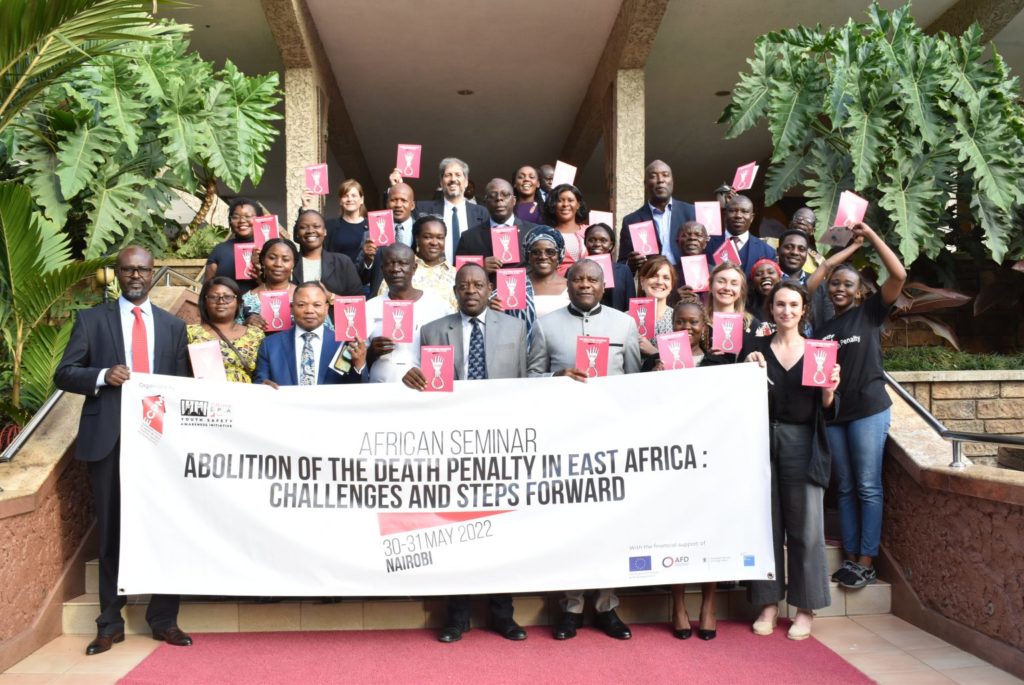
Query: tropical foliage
[
  {"x": 104, "y": 149},
  {"x": 928, "y": 128}
]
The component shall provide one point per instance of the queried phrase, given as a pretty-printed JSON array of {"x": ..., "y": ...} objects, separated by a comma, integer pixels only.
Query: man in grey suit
[{"x": 497, "y": 348}]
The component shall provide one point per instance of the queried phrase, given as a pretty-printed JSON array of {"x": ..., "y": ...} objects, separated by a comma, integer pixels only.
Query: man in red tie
[{"x": 108, "y": 344}]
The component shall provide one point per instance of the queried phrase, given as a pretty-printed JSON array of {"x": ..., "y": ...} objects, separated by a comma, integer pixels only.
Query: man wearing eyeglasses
[
  {"x": 500, "y": 201},
  {"x": 108, "y": 344}
]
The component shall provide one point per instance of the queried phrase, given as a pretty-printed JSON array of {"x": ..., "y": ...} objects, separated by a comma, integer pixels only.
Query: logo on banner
[
  {"x": 203, "y": 414},
  {"x": 669, "y": 562},
  {"x": 748, "y": 559},
  {"x": 153, "y": 408},
  {"x": 639, "y": 564}
]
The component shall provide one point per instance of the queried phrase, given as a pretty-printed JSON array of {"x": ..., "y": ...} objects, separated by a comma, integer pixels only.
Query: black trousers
[
  {"x": 162, "y": 612},
  {"x": 499, "y": 607}
]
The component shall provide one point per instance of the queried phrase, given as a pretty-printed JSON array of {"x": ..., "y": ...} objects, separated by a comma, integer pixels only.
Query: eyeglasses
[
  {"x": 549, "y": 252},
  {"x": 499, "y": 196},
  {"x": 239, "y": 217},
  {"x": 129, "y": 270},
  {"x": 221, "y": 299}
]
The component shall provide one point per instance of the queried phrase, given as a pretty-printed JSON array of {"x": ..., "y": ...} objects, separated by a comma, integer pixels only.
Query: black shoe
[
  {"x": 707, "y": 634},
  {"x": 103, "y": 643},
  {"x": 568, "y": 625},
  {"x": 682, "y": 633},
  {"x": 452, "y": 633},
  {"x": 173, "y": 636},
  {"x": 612, "y": 625},
  {"x": 508, "y": 629}
]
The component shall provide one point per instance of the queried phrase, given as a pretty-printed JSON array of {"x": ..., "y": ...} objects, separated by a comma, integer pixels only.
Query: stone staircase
[{"x": 638, "y": 605}]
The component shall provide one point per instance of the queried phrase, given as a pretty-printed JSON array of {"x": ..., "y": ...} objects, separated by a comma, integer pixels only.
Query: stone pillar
[
  {"x": 303, "y": 134},
  {"x": 625, "y": 131}
]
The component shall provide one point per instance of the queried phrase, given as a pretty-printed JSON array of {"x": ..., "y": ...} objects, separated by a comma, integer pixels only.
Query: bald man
[
  {"x": 401, "y": 200},
  {"x": 667, "y": 213}
]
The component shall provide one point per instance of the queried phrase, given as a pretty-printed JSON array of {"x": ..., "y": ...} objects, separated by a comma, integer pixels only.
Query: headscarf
[
  {"x": 759, "y": 262},
  {"x": 545, "y": 233}
]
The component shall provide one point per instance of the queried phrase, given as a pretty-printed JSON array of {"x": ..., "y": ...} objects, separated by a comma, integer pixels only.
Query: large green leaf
[
  {"x": 81, "y": 156},
  {"x": 983, "y": 144},
  {"x": 867, "y": 129},
  {"x": 43, "y": 349},
  {"x": 781, "y": 176},
  {"x": 750, "y": 96},
  {"x": 251, "y": 113},
  {"x": 909, "y": 195},
  {"x": 19, "y": 242},
  {"x": 41, "y": 176},
  {"x": 921, "y": 88},
  {"x": 828, "y": 174},
  {"x": 965, "y": 73},
  {"x": 795, "y": 104},
  {"x": 120, "y": 107},
  {"x": 114, "y": 211},
  {"x": 996, "y": 224}
]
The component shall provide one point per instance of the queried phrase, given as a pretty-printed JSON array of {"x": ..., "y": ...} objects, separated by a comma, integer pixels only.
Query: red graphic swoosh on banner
[{"x": 400, "y": 523}]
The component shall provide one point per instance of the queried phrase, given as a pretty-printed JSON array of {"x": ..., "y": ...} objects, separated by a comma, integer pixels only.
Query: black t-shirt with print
[{"x": 861, "y": 384}]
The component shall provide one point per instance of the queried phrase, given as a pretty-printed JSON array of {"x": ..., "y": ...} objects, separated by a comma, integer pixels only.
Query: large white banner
[{"x": 504, "y": 485}]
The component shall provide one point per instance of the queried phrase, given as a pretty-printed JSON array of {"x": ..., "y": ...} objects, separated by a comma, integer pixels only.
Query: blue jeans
[{"x": 857, "y": 449}]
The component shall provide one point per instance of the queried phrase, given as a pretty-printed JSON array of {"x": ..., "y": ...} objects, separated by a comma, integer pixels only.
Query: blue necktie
[
  {"x": 477, "y": 366},
  {"x": 307, "y": 372}
]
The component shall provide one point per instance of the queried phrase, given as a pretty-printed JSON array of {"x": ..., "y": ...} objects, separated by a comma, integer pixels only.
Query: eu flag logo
[{"x": 639, "y": 564}]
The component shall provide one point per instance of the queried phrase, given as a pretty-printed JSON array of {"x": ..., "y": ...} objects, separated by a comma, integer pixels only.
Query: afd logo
[{"x": 639, "y": 564}]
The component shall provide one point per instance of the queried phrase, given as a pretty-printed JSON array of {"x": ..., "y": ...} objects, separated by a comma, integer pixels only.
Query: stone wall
[{"x": 972, "y": 402}]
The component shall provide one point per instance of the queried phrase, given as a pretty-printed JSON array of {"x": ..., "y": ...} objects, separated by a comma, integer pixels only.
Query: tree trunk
[{"x": 204, "y": 210}]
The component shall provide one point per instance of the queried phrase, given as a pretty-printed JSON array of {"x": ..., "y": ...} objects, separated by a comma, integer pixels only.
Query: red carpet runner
[{"x": 415, "y": 656}]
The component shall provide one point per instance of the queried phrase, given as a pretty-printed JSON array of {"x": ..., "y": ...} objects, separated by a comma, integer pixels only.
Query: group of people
[{"x": 782, "y": 301}]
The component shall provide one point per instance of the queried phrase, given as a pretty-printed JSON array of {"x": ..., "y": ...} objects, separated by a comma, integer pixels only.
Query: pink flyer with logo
[
  {"x": 592, "y": 355},
  {"x": 349, "y": 318},
  {"x": 437, "y": 362}
]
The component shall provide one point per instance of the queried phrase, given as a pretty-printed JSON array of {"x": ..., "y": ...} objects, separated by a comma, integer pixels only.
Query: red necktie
[{"x": 140, "y": 346}]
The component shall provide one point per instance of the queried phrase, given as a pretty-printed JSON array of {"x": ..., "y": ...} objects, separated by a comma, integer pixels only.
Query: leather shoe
[
  {"x": 682, "y": 633},
  {"x": 509, "y": 629},
  {"x": 452, "y": 633},
  {"x": 612, "y": 625},
  {"x": 103, "y": 643},
  {"x": 173, "y": 636},
  {"x": 568, "y": 625}
]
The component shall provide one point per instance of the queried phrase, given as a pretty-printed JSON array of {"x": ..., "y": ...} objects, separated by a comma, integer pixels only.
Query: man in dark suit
[
  {"x": 739, "y": 214},
  {"x": 667, "y": 213},
  {"x": 303, "y": 356},
  {"x": 459, "y": 216},
  {"x": 487, "y": 344},
  {"x": 108, "y": 343},
  {"x": 500, "y": 201}
]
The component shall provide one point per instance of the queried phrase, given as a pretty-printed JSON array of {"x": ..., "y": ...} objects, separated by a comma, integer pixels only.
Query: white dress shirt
[
  {"x": 392, "y": 366},
  {"x": 467, "y": 333},
  {"x": 125, "y": 308},
  {"x": 460, "y": 209},
  {"x": 744, "y": 237},
  {"x": 318, "y": 343}
]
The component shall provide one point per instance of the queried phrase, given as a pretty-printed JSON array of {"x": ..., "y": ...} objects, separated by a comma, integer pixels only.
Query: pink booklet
[
  {"x": 316, "y": 180},
  {"x": 695, "y": 272},
  {"x": 592, "y": 355},
  {"x": 437, "y": 362},
  {"x": 819, "y": 360},
  {"x": 275, "y": 308},
  {"x": 675, "y": 351},
  {"x": 265, "y": 228},
  {"x": 407, "y": 161},
  {"x": 564, "y": 173},
  {"x": 511, "y": 288},
  {"x": 207, "y": 361},
  {"x": 605, "y": 262},
  {"x": 727, "y": 332},
  {"x": 744, "y": 178},
  {"x": 596, "y": 217},
  {"x": 463, "y": 259},
  {"x": 349, "y": 318},
  {"x": 727, "y": 253},
  {"x": 382, "y": 227},
  {"x": 709, "y": 215},
  {"x": 398, "y": 320},
  {"x": 243, "y": 260},
  {"x": 505, "y": 244},
  {"x": 645, "y": 237},
  {"x": 852, "y": 208},
  {"x": 642, "y": 310}
]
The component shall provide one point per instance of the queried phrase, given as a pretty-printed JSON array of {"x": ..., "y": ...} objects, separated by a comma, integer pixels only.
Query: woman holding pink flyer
[
  {"x": 220, "y": 302},
  {"x": 800, "y": 462},
  {"x": 729, "y": 297},
  {"x": 857, "y": 434},
  {"x": 567, "y": 213}
]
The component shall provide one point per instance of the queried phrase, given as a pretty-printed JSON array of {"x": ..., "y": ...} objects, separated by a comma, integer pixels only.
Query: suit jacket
[
  {"x": 506, "y": 351},
  {"x": 754, "y": 250},
  {"x": 337, "y": 273},
  {"x": 477, "y": 240},
  {"x": 97, "y": 343},
  {"x": 681, "y": 213},
  {"x": 475, "y": 214},
  {"x": 276, "y": 361}
]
